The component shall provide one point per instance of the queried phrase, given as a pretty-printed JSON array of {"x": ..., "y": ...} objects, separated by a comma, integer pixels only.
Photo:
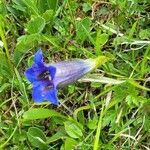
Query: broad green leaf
[
  {"x": 25, "y": 43},
  {"x": 70, "y": 144},
  {"x": 37, "y": 138},
  {"x": 47, "y": 5},
  {"x": 32, "y": 6},
  {"x": 36, "y": 25},
  {"x": 51, "y": 39},
  {"x": 83, "y": 29},
  {"x": 59, "y": 135},
  {"x": 44, "y": 6},
  {"x": 73, "y": 130},
  {"x": 52, "y": 4},
  {"x": 3, "y": 9},
  {"x": 40, "y": 113},
  {"x": 92, "y": 124},
  {"x": 101, "y": 39},
  {"x": 48, "y": 15},
  {"x": 19, "y": 5}
]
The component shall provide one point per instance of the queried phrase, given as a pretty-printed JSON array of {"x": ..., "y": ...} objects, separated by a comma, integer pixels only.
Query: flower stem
[{"x": 98, "y": 131}]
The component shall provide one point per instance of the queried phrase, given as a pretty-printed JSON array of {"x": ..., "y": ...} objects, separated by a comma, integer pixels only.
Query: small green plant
[{"x": 107, "y": 109}]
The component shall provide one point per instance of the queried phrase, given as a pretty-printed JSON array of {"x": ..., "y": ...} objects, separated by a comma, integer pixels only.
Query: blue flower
[{"x": 47, "y": 78}]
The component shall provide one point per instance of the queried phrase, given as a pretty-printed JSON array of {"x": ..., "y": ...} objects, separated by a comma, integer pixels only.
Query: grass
[{"x": 109, "y": 108}]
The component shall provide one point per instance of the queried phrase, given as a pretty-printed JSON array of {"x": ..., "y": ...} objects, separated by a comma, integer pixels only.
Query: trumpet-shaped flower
[{"x": 47, "y": 78}]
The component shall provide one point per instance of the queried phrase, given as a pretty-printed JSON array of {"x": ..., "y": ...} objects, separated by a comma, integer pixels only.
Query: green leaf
[
  {"x": 21, "y": 86},
  {"x": 51, "y": 39},
  {"x": 73, "y": 130},
  {"x": 136, "y": 84},
  {"x": 92, "y": 124},
  {"x": 52, "y": 4},
  {"x": 147, "y": 123},
  {"x": 40, "y": 113},
  {"x": 110, "y": 119},
  {"x": 36, "y": 25},
  {"x": 101, "y": 39},
  {"x": 97, "y": 78},
  {"x": 32, "y": 6},
  {"x": 3, "y": 9},
  {"x": 83, "y": 29},
  {"x": 70, "y": 144},
  {"x": 19, "y": 5},
  {"x": 37, "y": 138},
  {"x": 86, "y": 7},
  {"x": 144, "y": 63},
  {"x": 59, "y": 135},
  {"x": 145, "y": 34},
  {"x": 25, "y": 43},
  {"x": 132, "y": 100},
  {"x": 4, "y": 86},
  {"x": 4, "y": 67},
  {"x": 48, "y": 15},
  {"x": 133, "y": 29}
]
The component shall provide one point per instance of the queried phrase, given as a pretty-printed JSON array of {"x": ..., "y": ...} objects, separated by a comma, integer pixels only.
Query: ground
[{"x": 109, "y": 108}]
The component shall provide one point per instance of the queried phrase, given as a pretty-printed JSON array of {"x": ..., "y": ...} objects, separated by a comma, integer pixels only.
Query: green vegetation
[{"x": 108, "y": 109}]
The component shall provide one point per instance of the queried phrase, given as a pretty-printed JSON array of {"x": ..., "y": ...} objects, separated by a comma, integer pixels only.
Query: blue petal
[
  {"x": 52, "y": 71},
  {"x": 32, "y": 73},
  {"x": 51, "y": 96},
  {"x": 69, "y": 71},
  {"x": 40, "y": 93},
  {"x": 37, "y": 95},
  {"x": 38, "y": 57}
]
